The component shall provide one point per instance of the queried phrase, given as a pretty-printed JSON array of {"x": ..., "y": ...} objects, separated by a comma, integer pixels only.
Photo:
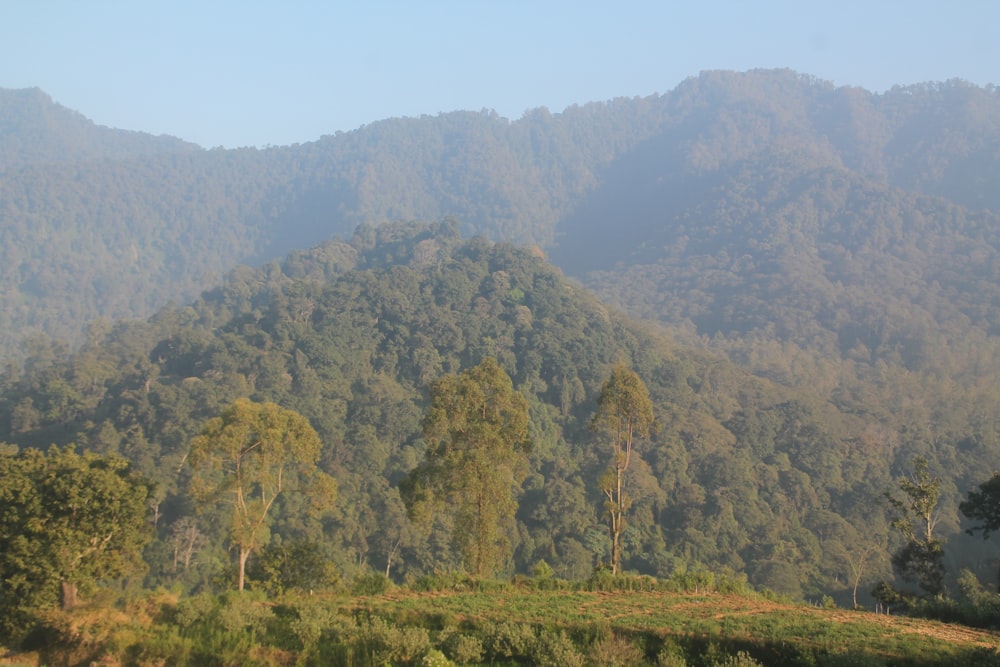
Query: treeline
[{"x": 739, "y": 475}]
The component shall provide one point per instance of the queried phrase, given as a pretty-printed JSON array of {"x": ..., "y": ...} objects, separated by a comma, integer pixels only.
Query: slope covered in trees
[
  {"x": 739, "y": 474},
  {"x": 35, "y": 130},
  {"x": 673, "y": 178}
]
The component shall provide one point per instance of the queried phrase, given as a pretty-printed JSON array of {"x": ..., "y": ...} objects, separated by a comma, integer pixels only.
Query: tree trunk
[
  {"x": 244, "y": 555},
  {"x": 616, "y": 524},
  {"x": 68, "y": 595}
]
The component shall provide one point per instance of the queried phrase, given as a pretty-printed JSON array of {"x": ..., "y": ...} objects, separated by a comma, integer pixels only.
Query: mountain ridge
[
  {"x": 628, "y": 181},
  {"x": 34, "y": 129}
]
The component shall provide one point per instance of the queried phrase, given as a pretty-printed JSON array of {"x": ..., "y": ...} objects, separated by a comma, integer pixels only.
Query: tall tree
[
  {"x": 67, "y": 522},
  {"x": 247, "y": 457},
  {"x": 921, "y": 559},
  {"x": 476, "y": 430},
  {"x": 624, "y": 413}
]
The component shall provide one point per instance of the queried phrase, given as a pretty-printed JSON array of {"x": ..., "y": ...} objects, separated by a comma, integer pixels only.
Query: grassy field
[
  {"x": 755, "y": 623},
  {"x": 506, "y": 625}
]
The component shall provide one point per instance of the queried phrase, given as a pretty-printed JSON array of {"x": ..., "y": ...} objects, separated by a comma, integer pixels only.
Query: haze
[{"x": 236, "y": 74}]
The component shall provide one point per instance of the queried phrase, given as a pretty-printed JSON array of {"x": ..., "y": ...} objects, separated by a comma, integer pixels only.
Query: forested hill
[
  {"x": 740, "y": 474},
  {"x": 36, "y": 130},
  {"x": 670, "y": 181}
]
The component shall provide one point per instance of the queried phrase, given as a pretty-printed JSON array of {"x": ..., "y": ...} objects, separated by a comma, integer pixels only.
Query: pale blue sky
[{"x": 237, "y": 73}]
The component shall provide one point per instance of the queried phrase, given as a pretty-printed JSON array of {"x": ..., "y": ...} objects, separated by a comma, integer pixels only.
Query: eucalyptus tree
[
  {"x": 476, "y": 430},
  {"x": 624, "y": 413},
  {"x": 246, "y": 458},
  {"x": 921, "y": 559}
]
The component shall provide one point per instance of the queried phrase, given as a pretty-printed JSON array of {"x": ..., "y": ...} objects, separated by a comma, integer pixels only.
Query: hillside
[
  {"x": 624, "y": 173},
  {"x": 817, "y": 266},
  {"x": 742, "y": 474},
  {"x": 36, "y": 130},
  {"x": 513, "y": 625}
]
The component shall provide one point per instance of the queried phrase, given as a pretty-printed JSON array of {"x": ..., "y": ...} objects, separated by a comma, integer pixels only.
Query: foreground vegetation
[{"x": 687, "y": 620}]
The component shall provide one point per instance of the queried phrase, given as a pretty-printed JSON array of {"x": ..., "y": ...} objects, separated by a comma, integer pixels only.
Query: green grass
[
  {"x": 752, "y": 621},
  {"x": 507, "y": 624}
]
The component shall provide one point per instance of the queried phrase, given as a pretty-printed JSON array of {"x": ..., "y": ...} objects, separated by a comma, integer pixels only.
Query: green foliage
[
  {"x": 741, "y": 476},
  {"x": 372, "y": 583},
  {"x": 476, "y": 429},
  {"x": 553, "y": 648},
  {"x": 624, "y": 413},
  {"x": 298, "y": 565},
  {"x": 509, "y": 627},
  {"x": 68, "y": 522},
  {"x": 247, "y": 457},
  {"x": 921, "y": 558},
  {"x": 615, "y": 651},
  {"x": 983, "y": 506}
]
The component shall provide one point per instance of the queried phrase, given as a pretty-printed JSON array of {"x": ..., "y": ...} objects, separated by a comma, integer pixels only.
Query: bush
[
  {"x": 615, "y": 651},
  {"x": 671, "y": 655},
  {"x": 373, "y": 583},
  {"x": 191, "y": 610},
  {"x": 383, "y": 642},
  {"x": 509, "y": 641},
  {"x": 465, "y": 649},
  {"x": 243, "y": 612},
  {"x": 555, "y": 649},
  {"x": 741, "y": 659},
  {"x": 435, "y": 658}
]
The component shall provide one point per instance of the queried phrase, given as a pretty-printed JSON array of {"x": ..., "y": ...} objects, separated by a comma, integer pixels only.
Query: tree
[
  {"x": 624, "y": 412},
  {"x": 247, "y": 457},
  {"x": 984, "y": 506},
  {"x": 858, "y": 560},
  {"x": 476, "y": 430},
  {"x": 67, "y": 522},
  {"x": 921, "y": 559}
]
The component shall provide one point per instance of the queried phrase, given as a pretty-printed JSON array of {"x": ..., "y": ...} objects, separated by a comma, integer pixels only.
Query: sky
[{"x": 248, "y": 73}]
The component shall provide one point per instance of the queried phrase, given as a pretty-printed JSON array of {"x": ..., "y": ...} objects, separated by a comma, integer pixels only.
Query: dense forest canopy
[
  {"x": 644, "y": 180},
  {"x": 741, "y": 474},
  {"x": 819, "y": 268}
]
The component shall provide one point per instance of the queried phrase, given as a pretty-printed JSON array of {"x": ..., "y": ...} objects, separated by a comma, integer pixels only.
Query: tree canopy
[
  {"x": 67, "y": 522},
  {"x": 246, "y": 458},
  {"x": 624, "y": 413},
  {"x": 476, "y": 430}
]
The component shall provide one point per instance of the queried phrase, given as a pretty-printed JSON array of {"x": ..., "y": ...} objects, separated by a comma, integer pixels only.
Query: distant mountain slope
[
  {"x": 34, "y": 129},
  {"x": 591, "y": 186}
]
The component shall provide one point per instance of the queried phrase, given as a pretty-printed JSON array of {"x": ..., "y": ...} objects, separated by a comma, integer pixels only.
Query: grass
[
  {"x": 737, "y": 619},
  {"x": 506, "y": 624}
]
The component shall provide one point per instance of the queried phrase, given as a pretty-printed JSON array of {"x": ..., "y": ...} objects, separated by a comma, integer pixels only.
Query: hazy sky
[{"x": 255, "y": 73}]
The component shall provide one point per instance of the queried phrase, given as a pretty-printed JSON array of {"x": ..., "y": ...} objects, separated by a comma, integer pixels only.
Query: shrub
[
  {"x": 373, "y": 583},
  {"x": 244, "y": 612},
  {"x": 615, "y": 651},
  {"x": 741, "y": 659},
  {"x": 555, "y": 649},
  {"x": 191, "y": 610},
  {"x": 671, "y": 655},
  {"x": 507, "y": 640},
  {"x": 465, "y": 649},
  {"x": 435, "y": 658}
]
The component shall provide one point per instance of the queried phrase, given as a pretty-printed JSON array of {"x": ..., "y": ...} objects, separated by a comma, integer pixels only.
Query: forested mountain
[
  {"x": 839, "y": 245},
  {"x": 741, "y": 473},
  {"x": 630, "y": 173},
  {"x": 35, "y": 130}
]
